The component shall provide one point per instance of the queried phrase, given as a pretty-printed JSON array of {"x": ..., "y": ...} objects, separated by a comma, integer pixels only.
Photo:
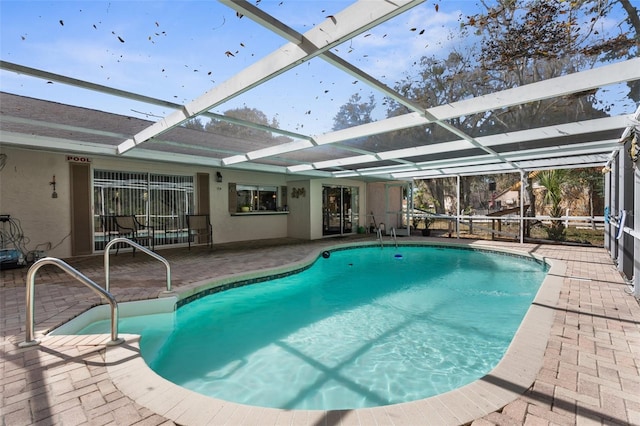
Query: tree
[
  {"x": 354, "y": 112},
  {"x": 194, "y": 123},
  {"x": 623, "y": 45},
  {"x": 524, "y": 41},
  {"x": 530, "y": 40},
  {"x": 251, "y": 115},
  {"x": 437, "y": 82},
  {"x": 517, "y": 34},
  {"x": 591, "y": 181},
  {"x": 553, "y": 182},
  {"x": 521, "y": 42},
  {"x": 422, "y": 198},
  {"x": 432, "y": 195}
]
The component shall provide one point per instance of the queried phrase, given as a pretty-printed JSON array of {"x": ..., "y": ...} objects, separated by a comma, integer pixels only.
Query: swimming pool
[{"x": 294, "y": 346}]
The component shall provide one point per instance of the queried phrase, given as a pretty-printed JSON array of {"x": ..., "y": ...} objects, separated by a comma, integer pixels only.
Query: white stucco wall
[
  {"x": 376, "y": 203},
  {"x": 306, "y": 211},
  {"x": 227, "y": 227},
  {"x": 25, "y": 194},
  {"x": 299, "y": 224},
  {"x": 385, "y": 205}
]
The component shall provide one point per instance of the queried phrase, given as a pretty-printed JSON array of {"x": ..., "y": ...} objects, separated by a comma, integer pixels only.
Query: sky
[{"x": 177, "y": 50}]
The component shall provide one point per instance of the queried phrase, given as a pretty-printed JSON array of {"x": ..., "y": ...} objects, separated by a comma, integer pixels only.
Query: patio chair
[
  {"x": 200, "y": 229},
  {"x": 129, "y": 227},
  {"x": 173, "y": 229},
  {"x": 109, "y": 229}
]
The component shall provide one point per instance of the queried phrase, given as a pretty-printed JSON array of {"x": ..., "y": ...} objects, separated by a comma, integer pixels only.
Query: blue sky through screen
[{"x": 177, "y": 50}]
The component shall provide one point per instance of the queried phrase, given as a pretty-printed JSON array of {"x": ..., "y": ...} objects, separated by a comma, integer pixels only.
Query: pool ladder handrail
[
  {"x": 395, "y": 238},
  {"x": 393, "y": 235},
  {"x": 31, "y": 279},
  {"x": 135, "y": 246}
]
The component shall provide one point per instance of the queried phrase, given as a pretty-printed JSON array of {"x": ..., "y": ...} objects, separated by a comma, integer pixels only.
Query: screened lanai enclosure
[
  {"x": 372, "y": 91},
  {"x": 555, "y": 205}
]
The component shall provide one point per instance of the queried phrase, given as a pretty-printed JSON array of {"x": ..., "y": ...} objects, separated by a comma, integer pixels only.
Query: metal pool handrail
[
  {"x": 31, "y": 280},
  {"x": 395, "y": 238},
  {"x": 393, "y": 235},
  {"x": 135, "y": 246}
]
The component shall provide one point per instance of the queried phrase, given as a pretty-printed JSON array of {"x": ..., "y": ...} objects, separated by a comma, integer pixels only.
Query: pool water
[{"x": 364, "y": 327}]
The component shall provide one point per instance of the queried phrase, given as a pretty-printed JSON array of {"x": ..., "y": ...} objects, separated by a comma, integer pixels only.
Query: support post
[
  {"x": 458, "y": 208},
  {"x": 522, "y": 184},
  {"x": 636, "y": 241}
]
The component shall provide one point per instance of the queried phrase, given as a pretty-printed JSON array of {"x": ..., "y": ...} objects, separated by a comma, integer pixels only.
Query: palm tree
[{"x": 553, "y": 181}]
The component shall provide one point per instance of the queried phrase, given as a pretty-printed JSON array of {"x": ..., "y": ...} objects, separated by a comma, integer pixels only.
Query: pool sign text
[{"x": 78, "y": 159}]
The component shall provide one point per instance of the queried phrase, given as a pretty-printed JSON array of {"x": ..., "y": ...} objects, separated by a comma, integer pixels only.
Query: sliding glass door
[
  {"x": 340, "y": 210},
  {"x": 158, "y": 201}
]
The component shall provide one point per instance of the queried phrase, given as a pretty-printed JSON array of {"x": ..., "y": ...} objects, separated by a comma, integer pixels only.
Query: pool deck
[{"x": 587, "y": 371}]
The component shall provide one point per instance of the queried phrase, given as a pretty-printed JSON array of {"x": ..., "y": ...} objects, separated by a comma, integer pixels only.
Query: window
[{"x": 256, "y": 198}]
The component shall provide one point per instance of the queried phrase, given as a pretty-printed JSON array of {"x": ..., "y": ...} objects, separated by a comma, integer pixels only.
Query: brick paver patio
[{"x": 590, "y": 372}]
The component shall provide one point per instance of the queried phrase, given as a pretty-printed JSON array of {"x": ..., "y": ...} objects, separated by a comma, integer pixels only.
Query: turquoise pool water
[{"x": 364, "y": 327}]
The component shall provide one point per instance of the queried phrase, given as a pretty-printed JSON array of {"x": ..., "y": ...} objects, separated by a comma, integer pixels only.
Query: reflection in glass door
[{"x": 338, "y": 210}]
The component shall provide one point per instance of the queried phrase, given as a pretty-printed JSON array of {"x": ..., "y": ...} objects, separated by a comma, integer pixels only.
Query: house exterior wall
[
  {"x": 300, "y": 211},
  {"x": 228, "y": 227},
  {"x": 376, "y": 211},
  {"x": 306, "y": 212},
  {"x": 25, "y": 194},
  {"x": 394, "y": 207},
  {"x": 508, "y": 199}
]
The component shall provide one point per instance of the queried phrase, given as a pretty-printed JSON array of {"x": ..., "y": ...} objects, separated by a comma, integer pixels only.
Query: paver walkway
[{"x": 591, "y": 371}]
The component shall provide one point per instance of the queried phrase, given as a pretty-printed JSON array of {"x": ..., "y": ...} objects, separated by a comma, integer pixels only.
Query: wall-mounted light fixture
[
  {"x": 54, "y": 194},
  {"x": 218, "y": 177}
]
